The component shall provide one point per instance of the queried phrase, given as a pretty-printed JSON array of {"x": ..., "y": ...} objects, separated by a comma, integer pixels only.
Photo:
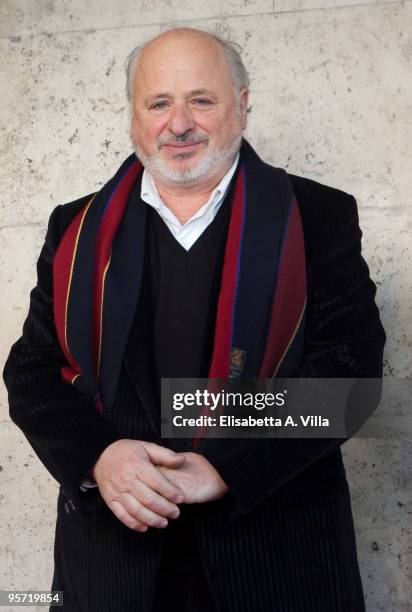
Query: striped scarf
[{"x": 260, "y": 316}]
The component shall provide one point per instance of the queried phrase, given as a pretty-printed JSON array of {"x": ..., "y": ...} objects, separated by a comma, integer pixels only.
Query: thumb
[{"x": 161, "y": 455}]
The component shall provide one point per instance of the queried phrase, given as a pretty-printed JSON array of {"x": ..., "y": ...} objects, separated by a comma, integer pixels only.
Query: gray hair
[{"x": 238, "y": 71}]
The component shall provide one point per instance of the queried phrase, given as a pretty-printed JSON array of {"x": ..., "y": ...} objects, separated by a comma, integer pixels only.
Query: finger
[
  {"x": 152, "y": 500},
  {"x": 141, "y": 513},
  {"x": 177, "y": 478},
  {"x": 152, "y": 477},
  {"x": 126, "y": 518},
  {"x": 164, "y": 456}
]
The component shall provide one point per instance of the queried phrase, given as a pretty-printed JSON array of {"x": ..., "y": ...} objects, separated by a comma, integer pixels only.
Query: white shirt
[{"x": 186, "y": 234}]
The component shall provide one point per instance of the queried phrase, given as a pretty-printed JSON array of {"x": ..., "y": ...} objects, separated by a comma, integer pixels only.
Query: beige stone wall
[{"x": 330, "y": 81}]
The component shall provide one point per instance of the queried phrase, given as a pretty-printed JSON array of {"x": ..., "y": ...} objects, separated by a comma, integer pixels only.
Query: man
[{"x": 196, "y": 259}]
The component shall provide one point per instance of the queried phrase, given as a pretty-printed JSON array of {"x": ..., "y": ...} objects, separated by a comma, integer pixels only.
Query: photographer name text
[{"x": 249, "y": 421}]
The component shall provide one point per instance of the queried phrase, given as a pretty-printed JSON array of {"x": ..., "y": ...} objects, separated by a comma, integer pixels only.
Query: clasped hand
[{"x": 142, "y": 482}]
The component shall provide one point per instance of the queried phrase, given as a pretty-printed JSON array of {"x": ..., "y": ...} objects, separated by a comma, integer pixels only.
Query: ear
[
  {"x": 243, "y": 104},
  {"x": 134, "y": 128}
]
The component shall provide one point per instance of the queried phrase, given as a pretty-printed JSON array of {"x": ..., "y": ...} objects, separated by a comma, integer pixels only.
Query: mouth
[{"x": 182, "y": 146}]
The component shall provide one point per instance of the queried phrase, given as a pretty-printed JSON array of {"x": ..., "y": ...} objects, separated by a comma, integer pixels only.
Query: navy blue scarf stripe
[{"x": 122, "y": 288}]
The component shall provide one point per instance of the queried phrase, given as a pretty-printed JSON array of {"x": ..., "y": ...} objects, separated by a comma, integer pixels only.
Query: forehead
[{"x": 188, "y": 62}]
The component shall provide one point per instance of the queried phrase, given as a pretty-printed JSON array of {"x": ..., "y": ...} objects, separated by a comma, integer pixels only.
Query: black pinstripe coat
[{"x": 282, "y": 540}]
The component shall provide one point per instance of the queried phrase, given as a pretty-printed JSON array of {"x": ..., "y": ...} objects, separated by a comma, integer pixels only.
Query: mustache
[{"x": 186, "y": 139}]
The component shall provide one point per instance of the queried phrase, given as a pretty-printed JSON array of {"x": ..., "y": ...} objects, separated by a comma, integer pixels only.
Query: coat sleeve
[
  {"x": 61, "y": 424},
  {"x": 344, "y": 338}
]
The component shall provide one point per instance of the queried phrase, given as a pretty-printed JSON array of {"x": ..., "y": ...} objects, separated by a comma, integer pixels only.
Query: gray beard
[{"x": 212, "y": 160}]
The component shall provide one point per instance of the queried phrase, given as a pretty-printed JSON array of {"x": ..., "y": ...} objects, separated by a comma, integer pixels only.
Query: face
[{"x": 187, "y": 118}]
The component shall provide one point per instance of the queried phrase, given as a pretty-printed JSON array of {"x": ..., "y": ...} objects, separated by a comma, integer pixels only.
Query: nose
[{"x": 181, "y": 120}]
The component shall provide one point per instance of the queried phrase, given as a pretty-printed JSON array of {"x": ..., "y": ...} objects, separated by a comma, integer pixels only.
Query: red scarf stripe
[
  {"x": 107, "y": 230},
  {"x": 219, "y": 367},
  {"x": 290, "y": 296},
  {"x": 69, "y": 375},
  {"x": 62, "y": 277}
]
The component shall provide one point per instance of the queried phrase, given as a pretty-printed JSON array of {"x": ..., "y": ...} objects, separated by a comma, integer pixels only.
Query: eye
[
  {"x": 202, "y": 101},
  {"x": 158, "y": 105}
]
